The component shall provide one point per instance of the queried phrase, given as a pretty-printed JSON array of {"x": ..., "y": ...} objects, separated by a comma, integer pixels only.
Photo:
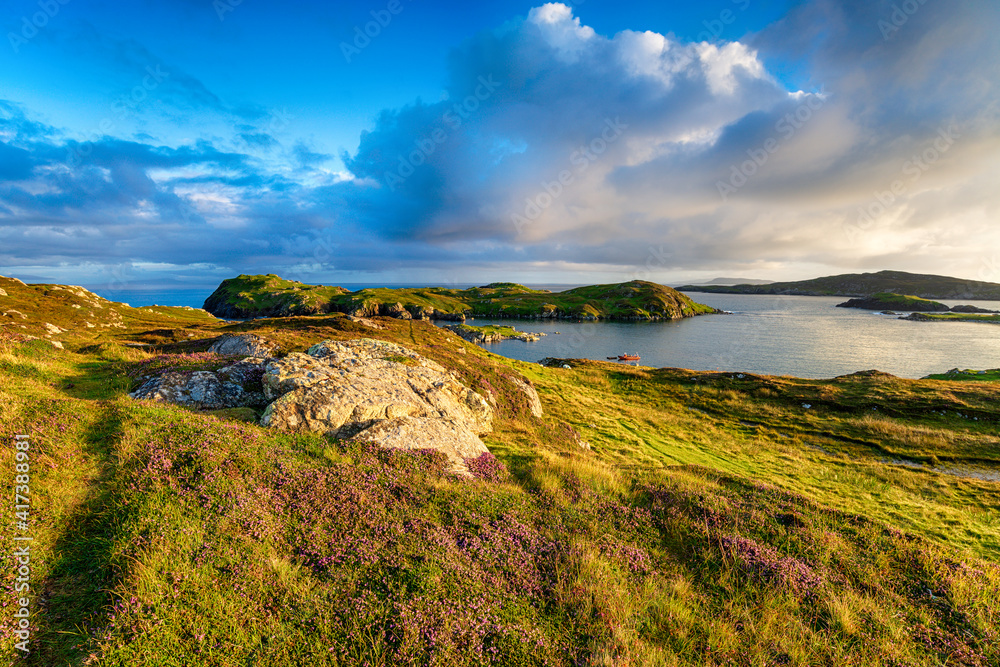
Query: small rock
[
  {"x": 534, "y": 402},
  {"x": 567, "y": 367},
  {"x": 2, "y": 293},
  {"x": 235, "y": 386},
  {"x": 56, "y": 344},
  {"x": 244, "y": 345},
  {"x": 807, "y": 405}
]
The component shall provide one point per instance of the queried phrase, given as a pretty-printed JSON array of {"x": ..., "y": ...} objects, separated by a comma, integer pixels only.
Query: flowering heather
[
  {"x": 487, "y": 468},
  {"x": 765, "y": 563},
  {"x": 634, "y": 558}
]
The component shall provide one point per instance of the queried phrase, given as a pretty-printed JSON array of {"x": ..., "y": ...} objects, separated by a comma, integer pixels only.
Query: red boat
[{"x": 628, "y": 357}]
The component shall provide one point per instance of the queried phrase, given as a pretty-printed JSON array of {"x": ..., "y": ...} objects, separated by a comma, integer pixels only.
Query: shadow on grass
[{"x": 82, "y": 574}]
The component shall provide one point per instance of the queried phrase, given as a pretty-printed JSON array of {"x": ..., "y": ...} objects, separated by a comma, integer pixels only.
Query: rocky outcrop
[
  {"x": 373, "y": 390},
  {"x": 244, "y": 345},
  {"x": 364, "y": 321},
  {"x": 453, "y": 439},
  {"x": 395, "y": 310},
  {"x": 235, "y": 386},
  {"x": 972, "y": 309},
  {"x": 481, "y": 335},
  {"x": 528, "y": 389},
  {"x": 364, "y": 389}
]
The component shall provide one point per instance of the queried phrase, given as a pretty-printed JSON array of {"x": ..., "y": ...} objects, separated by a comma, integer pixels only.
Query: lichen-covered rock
[
  {"x": 348, "y": 387},
  {"x": 235, "y": 386},
  {"x": 344, "y": 388},
  {"x": 454, "y": 440},
  {"x": 294, "y": 371},
  {"x": 244, "y": 345},
  {"x": 349, "y": 353}
]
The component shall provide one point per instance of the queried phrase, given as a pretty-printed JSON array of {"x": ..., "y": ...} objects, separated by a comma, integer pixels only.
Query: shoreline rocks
[{"x": 480, "y": 335}]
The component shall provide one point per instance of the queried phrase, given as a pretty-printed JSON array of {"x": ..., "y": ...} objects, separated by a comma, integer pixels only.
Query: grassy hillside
[
  {"x": 651, "y": 517},
  {"x": 262, "y": 296},
  {"x": 866, "y": 284},
  {"x": 66, "y": 313}
]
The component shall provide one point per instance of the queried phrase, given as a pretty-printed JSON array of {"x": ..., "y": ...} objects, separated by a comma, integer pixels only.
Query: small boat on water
[{"x": 628, "y": 357}]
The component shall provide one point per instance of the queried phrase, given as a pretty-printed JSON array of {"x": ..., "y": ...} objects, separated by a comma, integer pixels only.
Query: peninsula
[{"x": 925, "y": 286}]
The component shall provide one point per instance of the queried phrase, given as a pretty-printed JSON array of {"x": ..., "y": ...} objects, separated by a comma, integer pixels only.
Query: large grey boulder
[
  {"x": 394, "y": 395},
  {"x": 340, "y": 388}
]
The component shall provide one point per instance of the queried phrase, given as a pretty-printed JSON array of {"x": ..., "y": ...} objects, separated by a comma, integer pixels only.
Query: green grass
[
  {"x": 713, "y": 521},
  {"x": 968, "y": 375}
]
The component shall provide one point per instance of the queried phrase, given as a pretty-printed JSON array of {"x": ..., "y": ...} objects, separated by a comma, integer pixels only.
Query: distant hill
[
  {"x": 736, "y": 281},
  {"x": 866, "y": 284},
  {"x": 247, "y": 297}
]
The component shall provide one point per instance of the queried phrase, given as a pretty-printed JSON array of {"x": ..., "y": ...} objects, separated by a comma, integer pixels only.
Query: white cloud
[{"x": 561, "y": 29}]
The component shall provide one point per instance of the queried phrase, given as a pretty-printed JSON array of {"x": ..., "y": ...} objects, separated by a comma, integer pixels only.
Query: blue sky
[{"x": 179, "y": 143}]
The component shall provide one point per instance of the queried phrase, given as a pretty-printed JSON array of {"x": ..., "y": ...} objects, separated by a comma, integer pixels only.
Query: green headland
[{"x": 269, "y": 295}]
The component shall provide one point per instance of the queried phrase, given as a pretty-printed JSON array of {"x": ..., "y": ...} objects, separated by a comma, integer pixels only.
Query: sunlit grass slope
[{"x": 715, "y": 519}]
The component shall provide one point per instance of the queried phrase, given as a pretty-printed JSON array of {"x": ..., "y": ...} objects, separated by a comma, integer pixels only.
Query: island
[
  {"x": 492, "y": 333},
  {"x": 249, "y": 297},
  {"x": 925, "y": 286},
  {"x": 891, "y": 301}
]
